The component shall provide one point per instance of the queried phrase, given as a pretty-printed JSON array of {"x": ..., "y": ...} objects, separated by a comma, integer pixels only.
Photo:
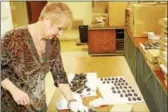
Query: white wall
[
  {"x": 6, "y": 18},
  {"x": 81, "y": 11}
]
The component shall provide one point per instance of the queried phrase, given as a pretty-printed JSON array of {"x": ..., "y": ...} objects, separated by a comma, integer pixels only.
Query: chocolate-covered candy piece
[
  {"x": 129, "y": 99},
  {"x": 125, "y": 87},
  {"x": 130, "y": 87},
  {"x": 108, "y": 78},
  {"x": 104, "y": 82},
  {"x": 119, "y": 84},
  {"x": 135, "y": 94},
  {"x": 134, "y": 98},
  {"x": 122, "y": 83},
  {"x": 85, "y": 86},
  {"x": 119, "y": 91},
  {"x": 138, "y": 98},
  {"x": 112, "y": 81},
  {"x": 132, "y": 90},
  {"x": 101, "y": 79},
  {"x": 112, "y": 78},
  {"x": 105, "y": 79},
  {"x": 88, "y": 89},
  {"x": 108, "y": 82},
  {"x": 120, "y": 87},
  {"x": 126, "y": 83},
  {"x": 112, "y": 88},
  {"x": 129, "y": 94},
  {"x": 128, "y": 90},
  {"x": 115, "y": 84},
  {"x": 114, "y": 91},
  {"x": 121, "y": 95},
  {"x": 123, "y": 91},
  {"x": 126, "y": 95},
  {"x": 117, "y": 87}
]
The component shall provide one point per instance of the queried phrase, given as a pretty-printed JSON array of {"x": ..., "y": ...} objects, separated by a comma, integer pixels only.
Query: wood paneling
[
  {"x": 102, "y": 41},
  {"x": 34, "y": 9}
]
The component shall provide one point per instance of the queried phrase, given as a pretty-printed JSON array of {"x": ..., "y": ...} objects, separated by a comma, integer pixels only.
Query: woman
[{"x": 28, "y": 53}]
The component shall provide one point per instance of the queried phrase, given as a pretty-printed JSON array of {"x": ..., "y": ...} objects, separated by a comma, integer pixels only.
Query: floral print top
[{"x": 21, "y": 64}]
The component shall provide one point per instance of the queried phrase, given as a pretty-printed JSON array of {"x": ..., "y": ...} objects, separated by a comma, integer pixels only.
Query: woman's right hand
[{"x": 20, "y": 97}]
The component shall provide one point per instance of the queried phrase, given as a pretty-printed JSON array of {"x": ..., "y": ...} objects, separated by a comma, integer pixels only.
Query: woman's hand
[
  {"x": 76, "y": 106},
  {"x": 20, "y": 97}
]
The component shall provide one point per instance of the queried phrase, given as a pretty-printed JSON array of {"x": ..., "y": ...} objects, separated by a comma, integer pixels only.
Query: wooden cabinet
[
  {"x": 102, "y": 41},
  {"x": 150, "y": 85}
]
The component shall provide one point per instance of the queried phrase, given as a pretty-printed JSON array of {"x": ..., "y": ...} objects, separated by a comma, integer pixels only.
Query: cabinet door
[
  {"x": 102, "y": 41},
  {"x": 130, "y": 53}
]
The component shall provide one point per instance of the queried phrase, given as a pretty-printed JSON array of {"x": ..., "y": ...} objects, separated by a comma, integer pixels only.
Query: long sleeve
[
  {"x": 6, "y": 57},
  {"x": 57, "y": 68}
]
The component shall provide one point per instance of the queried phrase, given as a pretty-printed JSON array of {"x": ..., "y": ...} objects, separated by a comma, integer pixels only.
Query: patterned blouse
[{"x": 21, "y": 64}]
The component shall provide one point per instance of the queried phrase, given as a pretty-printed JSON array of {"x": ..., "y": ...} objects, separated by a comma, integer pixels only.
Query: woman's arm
[
  {"x": 66, "y": 91},
  {"x": 59, "y": 74},
  {"x": 7, "y": 72}
]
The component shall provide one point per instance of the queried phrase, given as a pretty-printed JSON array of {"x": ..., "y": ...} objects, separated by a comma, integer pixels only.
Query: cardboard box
[
  {"x": 95, "y": 15},
  {"x": 145, "y": 18},
  {"x": 116, "y": 12}
]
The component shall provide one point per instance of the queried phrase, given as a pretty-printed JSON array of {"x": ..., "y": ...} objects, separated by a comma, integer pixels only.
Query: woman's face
[{"x": 52, "y": 30}]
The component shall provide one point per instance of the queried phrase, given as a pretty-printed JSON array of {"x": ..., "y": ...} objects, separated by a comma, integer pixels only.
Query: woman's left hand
[{"x": 76, "y": 106}]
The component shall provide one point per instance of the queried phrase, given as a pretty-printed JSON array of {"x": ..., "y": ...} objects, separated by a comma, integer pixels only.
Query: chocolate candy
[
  {"x": 134, "y": 98},
  {"x": 129, "y": 99},
  {"x": 135, "y": 94},
  {"x": 114, "y": 91},
  {"x": 128, "y": 90},
  {"x": 138, "y": 98},
  {"x": 132, "y": 90},
  {"x": 119, "y": 91},
  {"x": 125, "y": 87},
  {"x": 126, "y": 83},
  {"x": 88, "y": 89},
  {"x": 117, "y": 87},
  {"x": 121, "y": 95},
  {"x": 129, "y": 94},
  {"x": 123, "y": 91},
  {"x": 126, "y": 95}
]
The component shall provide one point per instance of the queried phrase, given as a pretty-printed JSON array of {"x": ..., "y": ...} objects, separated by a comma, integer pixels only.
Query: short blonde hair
[{"x": 56, "y": 9}]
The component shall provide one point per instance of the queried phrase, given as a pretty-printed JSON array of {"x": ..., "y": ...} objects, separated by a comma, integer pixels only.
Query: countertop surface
[{"x": 104, "y": 67}]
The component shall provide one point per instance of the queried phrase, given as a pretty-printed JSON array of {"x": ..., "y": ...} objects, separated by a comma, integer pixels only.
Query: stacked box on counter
[
  {"x": 162, "y": 59},
  {"x": 140, "y": 21}
]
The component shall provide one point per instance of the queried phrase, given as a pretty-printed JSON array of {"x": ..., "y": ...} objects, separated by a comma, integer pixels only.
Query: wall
[
  {"x": 81, "y": 11},
  {"x": 19, "y": 13},
  {"x": 6, "y": 19}
]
